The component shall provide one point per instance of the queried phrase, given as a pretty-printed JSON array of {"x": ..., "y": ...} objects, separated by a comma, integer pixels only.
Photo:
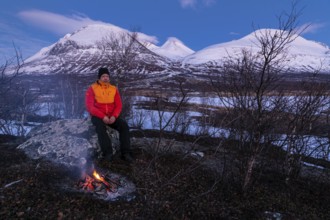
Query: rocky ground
[{"x": 170, "y": 186}]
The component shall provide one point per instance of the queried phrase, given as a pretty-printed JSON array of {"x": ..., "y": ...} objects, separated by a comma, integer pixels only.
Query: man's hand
[
  {"x": 112, "y": 119},
  {"x": 108, "y": 120}
]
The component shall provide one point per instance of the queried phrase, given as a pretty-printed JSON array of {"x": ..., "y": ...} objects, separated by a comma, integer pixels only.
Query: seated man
[{"x": 104, "y": 104}]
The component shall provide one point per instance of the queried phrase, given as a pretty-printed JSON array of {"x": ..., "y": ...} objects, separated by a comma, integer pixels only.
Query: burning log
[
  {"x": 99, "y": 184},
  {"x": 104, "y": 185}
]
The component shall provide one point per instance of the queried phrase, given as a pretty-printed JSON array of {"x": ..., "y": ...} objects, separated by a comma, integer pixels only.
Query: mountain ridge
[
  {"x": 78, "y": 51},
  {"x": 303, "y": 52}
]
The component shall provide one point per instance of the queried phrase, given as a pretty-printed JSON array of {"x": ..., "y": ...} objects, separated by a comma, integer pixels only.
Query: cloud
[
  {"x": 193, "y": 3},
  {"x": 310, "y": 28},
  {"x": 188, "y": 3},
  {"x": 14, "y": 35},
  {"x": 15, "y": 38},
  {"x": 55, "y": 23}
]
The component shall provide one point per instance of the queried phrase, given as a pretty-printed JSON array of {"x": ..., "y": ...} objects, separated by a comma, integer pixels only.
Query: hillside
[{"x": 173, "y": 186}]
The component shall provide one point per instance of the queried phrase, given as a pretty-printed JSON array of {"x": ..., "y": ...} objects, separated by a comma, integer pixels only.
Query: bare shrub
[
  {"x": 303, "y": 123},
  {"x": 248, "y": 86}
]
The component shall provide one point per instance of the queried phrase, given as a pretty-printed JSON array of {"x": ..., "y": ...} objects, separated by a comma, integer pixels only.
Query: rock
[
  {"x": 70, "y": 142},
  {"x": 73, "y": 142}
]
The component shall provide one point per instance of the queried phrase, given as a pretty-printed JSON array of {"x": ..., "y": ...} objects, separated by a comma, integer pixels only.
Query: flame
[
  {"x": 92, "y": 183},
  {"x": 97, "y": 176}
]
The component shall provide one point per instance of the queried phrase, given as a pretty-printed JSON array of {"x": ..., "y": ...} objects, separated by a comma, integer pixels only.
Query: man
[{"x": 104, "y": 104}]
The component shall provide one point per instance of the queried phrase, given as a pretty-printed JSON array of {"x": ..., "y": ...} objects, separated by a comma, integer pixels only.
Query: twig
[{"x": 12, "y": 183}]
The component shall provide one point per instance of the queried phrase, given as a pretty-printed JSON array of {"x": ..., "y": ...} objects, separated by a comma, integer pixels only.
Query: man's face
[{"x": 105, "y": 78}]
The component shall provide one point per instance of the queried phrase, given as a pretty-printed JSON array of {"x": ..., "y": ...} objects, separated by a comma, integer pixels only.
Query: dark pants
[{"x": 105, "y": 143}]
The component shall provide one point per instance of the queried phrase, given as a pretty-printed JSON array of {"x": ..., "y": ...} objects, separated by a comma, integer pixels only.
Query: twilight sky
[{"x": 33, "y": 24}]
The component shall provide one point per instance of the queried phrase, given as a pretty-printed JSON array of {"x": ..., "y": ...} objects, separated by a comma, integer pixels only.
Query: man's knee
[
  {"x": 122, "y": 125},
  {"x": 100, "y": 127}
]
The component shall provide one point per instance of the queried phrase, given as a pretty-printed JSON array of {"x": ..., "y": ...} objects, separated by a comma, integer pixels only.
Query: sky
[{"x": 30, "y": 25}]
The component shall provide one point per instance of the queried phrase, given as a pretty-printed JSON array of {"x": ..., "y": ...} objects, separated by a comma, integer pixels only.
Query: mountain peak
[
  {"x": 302, "y": 53},
  {"x": 95, "y": 32},
  {"x": 173, "y": 48},
  {"x": 172, "y": 42},
  {"x": 88, "y": 37}
]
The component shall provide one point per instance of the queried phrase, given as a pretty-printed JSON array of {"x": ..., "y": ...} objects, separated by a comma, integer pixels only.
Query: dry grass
[{"x": 168, "y": 187}]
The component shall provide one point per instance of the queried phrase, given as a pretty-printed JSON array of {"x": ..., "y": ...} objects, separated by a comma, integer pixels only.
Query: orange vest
[{"x": 104, "y": 94}]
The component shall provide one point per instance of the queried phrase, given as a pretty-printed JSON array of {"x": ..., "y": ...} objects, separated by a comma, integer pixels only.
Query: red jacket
[{"x": 103, "y": 99}]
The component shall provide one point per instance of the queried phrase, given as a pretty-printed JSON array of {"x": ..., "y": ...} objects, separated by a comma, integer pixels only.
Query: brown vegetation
[{"x": 172, "y": 187}]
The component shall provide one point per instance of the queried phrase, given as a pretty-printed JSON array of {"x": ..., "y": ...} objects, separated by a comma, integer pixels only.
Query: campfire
[
  {"x": 99, "y": 184},
  {"x": 107, "y": 186}
]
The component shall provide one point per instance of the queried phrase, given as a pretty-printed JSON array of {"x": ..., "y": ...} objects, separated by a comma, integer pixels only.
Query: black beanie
[{"x": 103, "y": 71}]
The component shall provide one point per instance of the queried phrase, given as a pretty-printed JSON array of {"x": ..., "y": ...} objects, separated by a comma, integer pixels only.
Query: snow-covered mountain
[
  {"x": 87, "y": 37},
  {"x": 173, "y": 48},
  {"x": 79, "y": 52},
  {"x": 302, "y": 54}
]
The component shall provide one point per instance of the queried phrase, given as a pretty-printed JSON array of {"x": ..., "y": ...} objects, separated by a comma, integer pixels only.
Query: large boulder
[
  {"x": 73, "y": 142},
  {"x": 70, "y": 142}
]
